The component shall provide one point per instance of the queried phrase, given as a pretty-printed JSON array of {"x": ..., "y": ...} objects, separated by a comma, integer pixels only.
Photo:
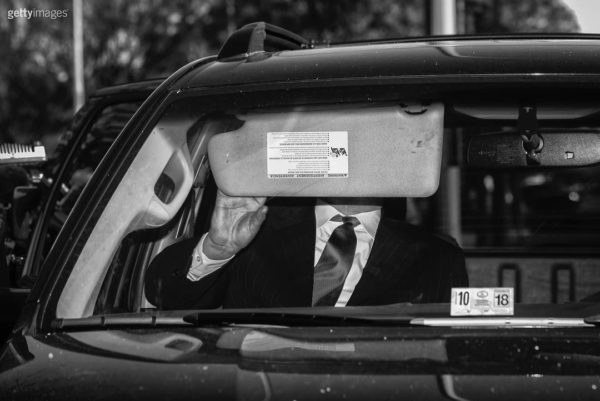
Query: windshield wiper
[
  {"x": 228, "y": 317},
  {"x": 292, "y": 318},
  {"x": 307, "y": 317},
  {"x": 109, "y": 321}
]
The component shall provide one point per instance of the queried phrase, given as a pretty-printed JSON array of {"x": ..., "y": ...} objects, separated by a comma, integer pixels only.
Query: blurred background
[
  {"x": 53, "y": 61},
  {"x": 123, "y": 41}
]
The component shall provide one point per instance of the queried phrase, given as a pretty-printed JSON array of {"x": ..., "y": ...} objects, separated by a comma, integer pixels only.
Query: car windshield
[{"x": 343, "y": 205}]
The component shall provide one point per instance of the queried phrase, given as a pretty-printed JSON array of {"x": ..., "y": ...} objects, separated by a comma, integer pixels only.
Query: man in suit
[{"x": 338, "y": 252}]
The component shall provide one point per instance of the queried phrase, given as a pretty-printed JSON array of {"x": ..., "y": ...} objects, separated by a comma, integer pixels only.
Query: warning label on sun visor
[{"x": 307, "y": 154}]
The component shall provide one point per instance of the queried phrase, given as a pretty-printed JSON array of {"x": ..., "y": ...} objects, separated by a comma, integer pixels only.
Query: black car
[
  {"x": 475, "y": 277},
  {"x": 39, "y": 196}
]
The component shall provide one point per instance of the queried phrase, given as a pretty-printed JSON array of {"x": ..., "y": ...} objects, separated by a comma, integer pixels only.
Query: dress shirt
[{"x": 365, "y": 236}]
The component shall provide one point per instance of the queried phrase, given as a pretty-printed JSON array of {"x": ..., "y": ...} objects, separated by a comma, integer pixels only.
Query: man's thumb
[{"x": 259, "y": 217}]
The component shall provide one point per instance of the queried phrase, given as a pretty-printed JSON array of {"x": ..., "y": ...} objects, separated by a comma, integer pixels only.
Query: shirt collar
[{"x": 370, "y": 220}]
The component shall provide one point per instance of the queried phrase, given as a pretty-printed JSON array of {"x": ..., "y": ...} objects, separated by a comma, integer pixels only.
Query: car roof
[
  {"x": 143, "y": 87},
  {"x": 427, "y": 60}
]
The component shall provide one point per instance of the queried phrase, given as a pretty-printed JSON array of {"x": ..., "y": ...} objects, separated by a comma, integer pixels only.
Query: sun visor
[{"x": 390, "y": 151}]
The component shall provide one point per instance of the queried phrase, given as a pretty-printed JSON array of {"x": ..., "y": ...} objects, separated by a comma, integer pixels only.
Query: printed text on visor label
[{"x": 307, "y": 154}]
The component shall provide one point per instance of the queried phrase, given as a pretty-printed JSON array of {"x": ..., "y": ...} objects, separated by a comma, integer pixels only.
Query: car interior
[{"x": 511, "y": 181}]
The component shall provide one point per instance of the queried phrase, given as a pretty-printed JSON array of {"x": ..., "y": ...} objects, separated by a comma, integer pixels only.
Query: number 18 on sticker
[{"x": 482, "y": 301}]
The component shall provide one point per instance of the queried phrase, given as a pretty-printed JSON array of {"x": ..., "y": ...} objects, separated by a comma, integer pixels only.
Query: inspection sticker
[
  {"x": 482, "y": 301},
  {"x": 307, "y": 154}
]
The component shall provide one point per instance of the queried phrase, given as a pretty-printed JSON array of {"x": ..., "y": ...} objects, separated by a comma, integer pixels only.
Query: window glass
[
  {"x": 532, "y": 229},
  {"x": 98, "y": 138},
  {"x": 32, "y": 197},
  {"x": 531, "y": 209}
]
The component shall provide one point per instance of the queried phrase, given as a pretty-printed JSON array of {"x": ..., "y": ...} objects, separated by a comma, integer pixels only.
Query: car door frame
[{"x": 14, "y": 296}]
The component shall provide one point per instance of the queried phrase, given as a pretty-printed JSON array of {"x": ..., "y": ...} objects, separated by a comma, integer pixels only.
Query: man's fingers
[{"x": 250, "y": 203}]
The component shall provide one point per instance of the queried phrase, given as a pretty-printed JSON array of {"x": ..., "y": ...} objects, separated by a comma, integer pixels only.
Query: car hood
[{"x": 262, "y": 362}]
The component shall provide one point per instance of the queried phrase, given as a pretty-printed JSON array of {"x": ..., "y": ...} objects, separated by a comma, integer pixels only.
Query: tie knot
[{"x": 353, "y": 221}]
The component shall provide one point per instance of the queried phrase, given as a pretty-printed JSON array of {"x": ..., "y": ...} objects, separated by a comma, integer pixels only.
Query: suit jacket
[{"x": 406, "y": 264}]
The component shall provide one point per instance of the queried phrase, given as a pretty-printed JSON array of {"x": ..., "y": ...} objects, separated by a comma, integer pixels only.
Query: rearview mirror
[{"x": 505, "y": 150}]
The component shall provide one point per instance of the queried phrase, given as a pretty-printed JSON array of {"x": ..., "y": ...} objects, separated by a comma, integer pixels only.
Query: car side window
[
  {"x": 79, "y": 151},
  {"x": 98, "y": 139}
]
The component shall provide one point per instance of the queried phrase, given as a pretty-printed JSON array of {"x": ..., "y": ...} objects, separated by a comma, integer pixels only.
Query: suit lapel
[{"x": 384, "y": 278}]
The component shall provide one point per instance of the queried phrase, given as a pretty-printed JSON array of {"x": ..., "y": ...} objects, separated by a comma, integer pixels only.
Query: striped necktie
[{"x": 335, "y": 262}]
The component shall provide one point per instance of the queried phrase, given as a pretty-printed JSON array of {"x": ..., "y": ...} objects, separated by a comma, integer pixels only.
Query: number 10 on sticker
[{"x": 462, "y": 298}]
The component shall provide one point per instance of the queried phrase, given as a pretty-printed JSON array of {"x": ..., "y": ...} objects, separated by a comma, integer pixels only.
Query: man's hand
[{"x": 235, "y": 222}]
